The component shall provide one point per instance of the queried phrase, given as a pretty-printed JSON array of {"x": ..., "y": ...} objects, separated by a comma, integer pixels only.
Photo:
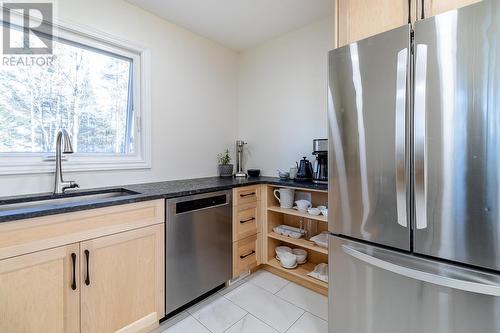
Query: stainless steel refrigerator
[{"x": 414, "y": 160}]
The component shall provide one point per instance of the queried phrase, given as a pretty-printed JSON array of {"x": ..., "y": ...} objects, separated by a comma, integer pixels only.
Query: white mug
[
  {"x": 285, "y": 198},
  {"x": 303, "y": 205}
]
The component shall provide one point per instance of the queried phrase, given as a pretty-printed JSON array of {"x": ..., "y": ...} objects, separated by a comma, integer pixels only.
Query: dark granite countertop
[{"x": 140, "y": 192}]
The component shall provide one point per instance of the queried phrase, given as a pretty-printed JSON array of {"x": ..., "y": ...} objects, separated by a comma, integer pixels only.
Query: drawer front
[
  {"x": 245, "y": 221},
  {"x": 247, "y": 194},
  {"x": 244, "y": 255},
  {"x": 36, "y": 234}
]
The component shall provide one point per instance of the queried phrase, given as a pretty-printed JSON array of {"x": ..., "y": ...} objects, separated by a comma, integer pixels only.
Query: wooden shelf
[
  {"x": 273, "y": 216},
  {"x": 297, "y": 213},
  {"x": 300, "y": 271},
  {"x": 302, "y": 189},
  {"x": 299, "y": 242}
]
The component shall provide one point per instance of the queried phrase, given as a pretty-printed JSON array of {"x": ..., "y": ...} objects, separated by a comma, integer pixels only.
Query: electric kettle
[{"x": 305, "y": 171}]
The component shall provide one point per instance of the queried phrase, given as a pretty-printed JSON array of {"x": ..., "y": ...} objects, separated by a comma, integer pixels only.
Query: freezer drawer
[
  {"x": 457, "y": 135},
  {"x": 379, "y": 291},
  {"x": 367, "y": 116}
]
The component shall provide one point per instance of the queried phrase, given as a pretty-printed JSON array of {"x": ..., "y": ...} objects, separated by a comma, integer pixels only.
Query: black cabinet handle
[
  {"x": 247, "y": 255},
  {"x": 87, "y": 259},
  {"x": 247, "y": 195},
  {"x": 73, "y": 261},
  {"x": 423, "y": 9},
  {"x": 248, "y": 220}
]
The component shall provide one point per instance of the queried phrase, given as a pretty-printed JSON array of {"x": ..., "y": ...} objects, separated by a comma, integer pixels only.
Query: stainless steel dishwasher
[{"x": 198, "y": 246}]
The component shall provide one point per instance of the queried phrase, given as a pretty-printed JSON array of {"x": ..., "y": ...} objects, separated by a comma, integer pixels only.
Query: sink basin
[{"x": 50, "y": 201}]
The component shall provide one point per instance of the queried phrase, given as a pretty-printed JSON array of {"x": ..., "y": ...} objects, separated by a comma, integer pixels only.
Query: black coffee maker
[{"x": 320, "y": 168}]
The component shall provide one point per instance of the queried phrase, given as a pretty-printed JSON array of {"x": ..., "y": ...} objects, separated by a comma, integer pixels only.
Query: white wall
[
  {"x": 194, "y": 97},
  {"x": 282, "y": 96},
  {"x": 204, "y": 96}
]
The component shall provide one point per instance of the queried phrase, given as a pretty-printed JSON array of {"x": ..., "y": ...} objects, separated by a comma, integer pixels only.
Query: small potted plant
[{"x": 225, "y": 168}]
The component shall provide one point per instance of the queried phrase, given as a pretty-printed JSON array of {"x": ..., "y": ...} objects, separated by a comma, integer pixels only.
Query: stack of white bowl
[
  {"x": 290, "y": 258},
  {"x": 318, "y": 210}
]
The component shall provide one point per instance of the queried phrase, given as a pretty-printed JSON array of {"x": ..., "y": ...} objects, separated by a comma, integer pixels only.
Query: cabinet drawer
[
  {"x": 247, "y": 194},
  {"x": 245, "y": 220},
  {"x": 244, "y": 255}
]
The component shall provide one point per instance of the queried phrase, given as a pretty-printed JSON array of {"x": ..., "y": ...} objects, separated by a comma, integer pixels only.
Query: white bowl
[
  {"x": 302, "y": 205},
  {"x": 321, "y": 207},
  {"x": 324, "y": 212},
  {"x": 301, "y": 255},
  {"x": 281, "y": 249},
  {"x": 314, "y": 211},
  {"x": 288, "y": 259}
]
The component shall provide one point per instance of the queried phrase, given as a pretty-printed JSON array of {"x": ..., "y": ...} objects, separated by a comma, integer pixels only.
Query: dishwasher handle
[{"x": 202, "y": 203}]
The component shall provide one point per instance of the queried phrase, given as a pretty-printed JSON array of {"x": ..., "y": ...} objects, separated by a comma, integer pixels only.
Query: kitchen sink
[{"x": 51, "y": 201}]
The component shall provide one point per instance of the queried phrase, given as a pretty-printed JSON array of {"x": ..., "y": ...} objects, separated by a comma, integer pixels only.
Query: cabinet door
[
  {"x": 358, "y": 19},
  {"x": 435, "y": 7},
  {"x": 39, "y": 292},
  {"x": 123, "y": 281}
]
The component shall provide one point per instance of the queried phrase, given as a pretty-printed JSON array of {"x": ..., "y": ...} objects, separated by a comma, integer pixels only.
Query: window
[{"x": 93, "y": 87}]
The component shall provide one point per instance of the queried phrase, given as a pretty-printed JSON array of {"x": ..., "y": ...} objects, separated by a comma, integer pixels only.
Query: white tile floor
[{"x": 261, "y": 303}]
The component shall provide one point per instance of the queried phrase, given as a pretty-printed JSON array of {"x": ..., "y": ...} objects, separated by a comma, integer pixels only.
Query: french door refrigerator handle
[
  {"x": 444, "y": 281},
  {"x": 420, "y": 146},
  {"x": 400, "y": 136}
]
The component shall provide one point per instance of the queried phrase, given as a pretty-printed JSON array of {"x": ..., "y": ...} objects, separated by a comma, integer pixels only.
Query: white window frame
[{"x": 33, "y": 163}]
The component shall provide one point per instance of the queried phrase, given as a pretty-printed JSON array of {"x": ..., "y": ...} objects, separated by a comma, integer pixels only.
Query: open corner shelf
[
  {"x": 300, "y": 271},
  {"x": 275, "y": 215},
  {"x": 299, "y": 242},
  {"x": 297, "y": 213}
]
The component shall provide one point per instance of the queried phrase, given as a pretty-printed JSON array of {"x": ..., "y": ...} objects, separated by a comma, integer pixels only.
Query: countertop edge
[{"x": 150, "y": 191}]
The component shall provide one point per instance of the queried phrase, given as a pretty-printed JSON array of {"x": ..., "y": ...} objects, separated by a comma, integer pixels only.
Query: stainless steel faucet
[{"x": 63, "y": 139}]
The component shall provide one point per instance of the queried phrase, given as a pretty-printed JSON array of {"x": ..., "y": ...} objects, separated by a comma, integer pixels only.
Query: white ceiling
[{"x": 239, "y": 24}]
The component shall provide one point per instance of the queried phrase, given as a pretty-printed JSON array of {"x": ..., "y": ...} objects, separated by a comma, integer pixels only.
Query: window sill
[{"x": 38, "y": 165}]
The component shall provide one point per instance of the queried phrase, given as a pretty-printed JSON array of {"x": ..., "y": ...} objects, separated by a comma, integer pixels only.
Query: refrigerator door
[
  {"x": 380, "y": 291},
  {"x": 367, "y": 116},
  {"x": 457, "y": 135}
]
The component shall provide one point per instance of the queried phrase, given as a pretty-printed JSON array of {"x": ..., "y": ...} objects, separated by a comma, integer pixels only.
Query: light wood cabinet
[
  {"x": 247, "y": 237},
  {"x": 274, "y": 216},
  {"x": 435, "y": 7},
  {"x": 40, "y": 233},
  {"x": 122, "y": 281},
  {"x": 358, "y": 19},
  {"x": 39, "y": 293},
  {"x": 106, "y": 273},
  {"x": 247, "y": 194},
  {"x": 245, "y": 220},
  {"x": 245, "y": 255}
]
